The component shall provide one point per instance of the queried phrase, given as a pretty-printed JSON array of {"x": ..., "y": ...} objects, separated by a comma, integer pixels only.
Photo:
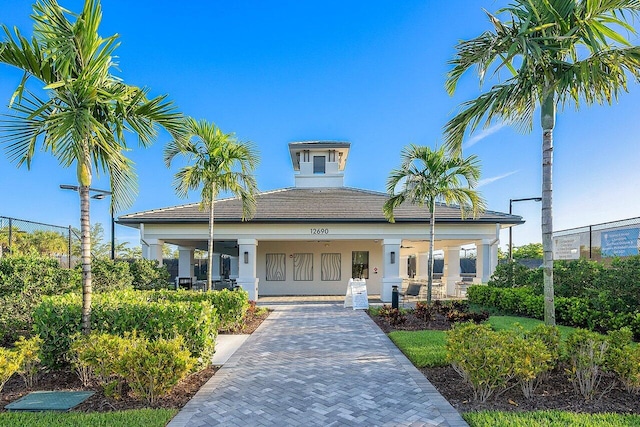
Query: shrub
[
  {"x": 531, "y": 359},
  {"x": 152, "y": 367},
  {"x": 587, "y": 351},
  {"x": 550, "y": 337},
  {"x": 28, "y": 350},
  {"x": 622, "y": 282},
  {"x": 9, "y": 364},
  {"x": 394, "y": 316},
  {"x": 482, "y": 357},
  {"x": 149, "y": 367},
  {"x": 231, "y": 306},
  {"x": 16, "y": 317},
  {"x": 35, "y": 275},
  {"x": 57, "y": 320},
  {"x": 99, "y": 356},
  {"x": 108, "y": 275},
  {"x": 520, "y": 301},
  {"x": 596, "y": 313},
  {"x": 147, "y": 274},
  {"x": 479, "y": 294},
  {"x": 24, "y": 281},
  {"x": 623, "y": 359},
  {"x": 488, "y": 360},
  {"x": 424, "y": 311},
  {"x": 509, "y": 275},
  {"x": 576, "y": 277}
]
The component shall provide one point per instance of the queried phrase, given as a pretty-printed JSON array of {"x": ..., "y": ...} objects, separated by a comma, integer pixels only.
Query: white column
[
  {"x": 233, "y": 267},
  {"x": 145, "y": 249},
  {"x": 143, "y": 243},
  {"x": 391, "y": 273},
  {"x": 186, "y": 262},
  {"x": 154, "y": 250},
  {"x": 422, "y": 265},
  {"x": 215, "y": 267},
  {"x": 404, "y": 266},
  {"x": 247, "y": 269},
  {"x": 452, "y": 268},
  {"x": 483, "y": 262},
  {"x": 494, "y": 258}
]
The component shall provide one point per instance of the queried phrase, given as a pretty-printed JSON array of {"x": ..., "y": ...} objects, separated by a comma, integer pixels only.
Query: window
[
  {"x": 319, "y": 164},
  {"x": 360, "y": 264},
  {"x": 330, "y": 266},
  {"x": 276, "y": 267},
  {"x": 302, "y": 267}
]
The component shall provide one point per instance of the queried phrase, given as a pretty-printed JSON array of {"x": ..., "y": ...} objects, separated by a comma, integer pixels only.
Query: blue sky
[{"x": 369, "y": 72}]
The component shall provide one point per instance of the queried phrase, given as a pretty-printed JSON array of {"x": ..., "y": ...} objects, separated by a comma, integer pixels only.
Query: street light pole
[
  {"x": 536, "y": 199},
  {"x": 101, "y": 194}
]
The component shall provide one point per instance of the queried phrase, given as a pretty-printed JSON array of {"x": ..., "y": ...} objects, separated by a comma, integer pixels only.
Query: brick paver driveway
[{"x": 318, "y": 365}]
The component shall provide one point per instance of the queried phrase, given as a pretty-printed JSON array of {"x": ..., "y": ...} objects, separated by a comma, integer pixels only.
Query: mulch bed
[
  {"x": 68, "y": 380},
  {"x": 556, "y": 392}
]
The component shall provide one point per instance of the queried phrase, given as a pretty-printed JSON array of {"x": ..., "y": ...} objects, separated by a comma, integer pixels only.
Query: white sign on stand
[{"x": 356, "y": 294}]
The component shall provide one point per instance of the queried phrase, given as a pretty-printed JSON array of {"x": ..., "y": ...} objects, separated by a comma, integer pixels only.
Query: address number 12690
[{"x": 319, "y": 231}]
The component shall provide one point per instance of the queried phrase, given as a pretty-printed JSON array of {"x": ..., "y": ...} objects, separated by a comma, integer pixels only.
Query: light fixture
[
  {"x": 393, "y": 257},
  {"x": 246, "y": 257},
  {"x": 535, "y": 199}
]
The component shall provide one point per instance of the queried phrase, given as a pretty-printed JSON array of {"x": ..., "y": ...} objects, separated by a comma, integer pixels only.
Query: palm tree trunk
[
  {"x": 548, "y": 112},
  {"x": 210, "y": 254},
  {"x": 432, "y": 239},
  {"x": 85, "y": 245}
]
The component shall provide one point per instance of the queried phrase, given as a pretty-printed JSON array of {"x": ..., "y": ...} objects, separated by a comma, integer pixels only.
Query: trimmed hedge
[
  {"x": 147, "y": 274},
  {"x": 57, "y": 319},
  {"x": 34, "y": 274},
  {"x": 24, "y": 280},
  {"x": 595, "y": 314},
  {"x": 231, "y": 306},
  {"x": 108, "y": 275}
]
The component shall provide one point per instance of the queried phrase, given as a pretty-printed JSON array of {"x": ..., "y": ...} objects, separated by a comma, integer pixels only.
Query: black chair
[
  {"x": 413, "y": 290},
  {"x": 185, "y": 283}
]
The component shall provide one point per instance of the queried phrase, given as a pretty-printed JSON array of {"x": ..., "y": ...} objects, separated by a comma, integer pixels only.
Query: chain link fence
[
  {"x": 22, "y": 237},
  {"x": 598, "y": 241}
]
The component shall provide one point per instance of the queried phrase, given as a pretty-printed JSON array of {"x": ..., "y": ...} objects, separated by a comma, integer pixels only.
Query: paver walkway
[{"x": 318, "y": 365}]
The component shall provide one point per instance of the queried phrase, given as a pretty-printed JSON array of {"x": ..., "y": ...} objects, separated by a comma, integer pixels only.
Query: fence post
[
  {"x": 69, "y": 254},
  {"x": 10, "y": 225}
]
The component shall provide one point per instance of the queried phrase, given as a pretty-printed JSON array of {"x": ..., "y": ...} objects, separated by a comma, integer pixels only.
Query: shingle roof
[{"x": 302, "y": 205}]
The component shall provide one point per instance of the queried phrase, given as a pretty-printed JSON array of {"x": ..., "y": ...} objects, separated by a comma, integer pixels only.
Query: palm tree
[
  {"x": 426, "y": 177},
  {"x": 557, "y": 52},
  {"x": 220, "y": 163},
  {"x": 82, "y": 113}
]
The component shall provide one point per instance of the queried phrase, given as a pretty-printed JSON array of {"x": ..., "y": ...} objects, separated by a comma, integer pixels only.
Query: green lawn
[
  {"x": 548, "y": 419},
  {"x": 501, "y": 323},
  {"x": 133, "y": 418},
  {"x": 423, "y": 348}
]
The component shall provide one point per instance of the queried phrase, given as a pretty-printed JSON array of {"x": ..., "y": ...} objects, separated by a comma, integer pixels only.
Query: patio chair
[
  {"x": 413, "y": 290},
  {"x": 185, "y": 282}
]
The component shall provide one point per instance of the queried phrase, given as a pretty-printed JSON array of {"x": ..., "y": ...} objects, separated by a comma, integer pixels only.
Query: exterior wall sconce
[
  {"x": 246, "y": 257},
  {"x": 393, "y": 257}
]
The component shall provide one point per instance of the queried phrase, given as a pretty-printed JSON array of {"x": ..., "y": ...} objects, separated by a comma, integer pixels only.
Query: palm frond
[
  {"x": 426, "y": 176},
  {"x": 217, "y": 162},
  {"x": 548, "y": 39}
]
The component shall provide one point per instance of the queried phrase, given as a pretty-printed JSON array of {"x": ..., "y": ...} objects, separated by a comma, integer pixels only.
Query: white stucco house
[{"x": 311, "y": 238}]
